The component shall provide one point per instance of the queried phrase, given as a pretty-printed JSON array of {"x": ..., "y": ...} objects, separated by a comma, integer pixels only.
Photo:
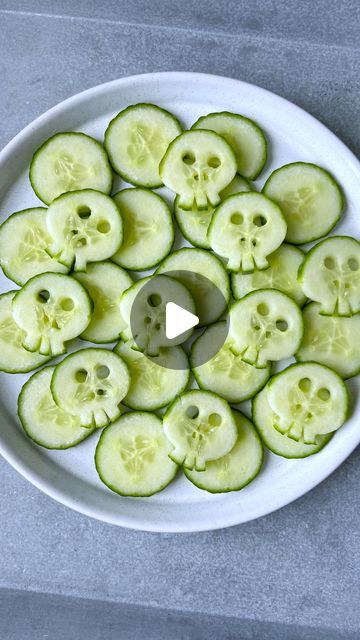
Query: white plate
[{"x": 69, "y": 476}]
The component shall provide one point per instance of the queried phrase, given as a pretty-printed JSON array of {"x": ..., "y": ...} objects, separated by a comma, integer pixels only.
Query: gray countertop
[{"x": 299, "y": 566}]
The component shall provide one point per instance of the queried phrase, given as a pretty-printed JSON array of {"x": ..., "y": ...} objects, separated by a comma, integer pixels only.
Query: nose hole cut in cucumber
[
  {"x": 43, "y": 296},
  {"x": 102, "y": 372},
  {"x": 305, "y": 384},
  {"x": 192, "y": 412},
  {"x": 83, "y": 212},
  {"x": 154, "y": 300},
  {"x": 237, "y": 218},
  {"x": 81, "y": 375},
  {"x": 259, "y": 221}
]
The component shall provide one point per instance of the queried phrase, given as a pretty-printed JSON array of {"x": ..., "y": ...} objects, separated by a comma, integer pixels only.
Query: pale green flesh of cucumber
[
  {"x": 245, "y": 229},
  {"x": 132, "y": 456},
  {"x": 68, "y": 162},
  {"x": 24, "y": 243},
  {"x": 309, "y": 198},
  {"x": 105, "y": 283},
  {"x": 42, "y": 420}
]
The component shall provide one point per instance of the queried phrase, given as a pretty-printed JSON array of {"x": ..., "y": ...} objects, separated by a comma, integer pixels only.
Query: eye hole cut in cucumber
[
  {"x": 198, "y": 165},
  {"x": 330, "y": 275},
  {"x": 265, "y": 325},
  {"x": 309, "y": 400}
]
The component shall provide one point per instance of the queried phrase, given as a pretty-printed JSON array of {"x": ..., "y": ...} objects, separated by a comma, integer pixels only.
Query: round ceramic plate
[{"x": 70, "y": 476}]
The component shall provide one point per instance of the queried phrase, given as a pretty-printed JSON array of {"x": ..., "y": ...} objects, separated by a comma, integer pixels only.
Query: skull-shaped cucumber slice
[
  {"x": 197, "y": 166},
  {"x": 309, "y": 400},
  {"x": 51, "y": 309},
  {"x": 265, "y": 325},
  {"x": 330, "y": 275},
  {"x": 245, "y": 229},
  {"x": 201, "y": 427},
  {"x": 90, "y": 384},
  {"x": 86, "y": 226}
]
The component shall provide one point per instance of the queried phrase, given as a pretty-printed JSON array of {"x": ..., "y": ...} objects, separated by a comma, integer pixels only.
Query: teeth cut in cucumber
[
  {"x": 310, "y": 198},
  {"x": 309, "y": 400},
  {"x": 244, "y": 136},
  {"x": 281, "y": 275},
  {"x": 51, "y": 309},
  {"x": 86, "y": 226},
  {"x": 132, "y": 458},
  {"x": 105, "y": 282},
  {"x": 136, "y": 140},
  {"x": 245, "y": 229},
  {"x": 24, "y": 244},
  {"x": 43, "y": 421},
  {"x": 265, "y": 325},
  {"x": 238, "y": 468},
  {"x": 90, "y": 384},
  {"x": 69, "y": 162},
  {"x": 330, "y": 275},
  {"x": 13, "y": 357},
  {"x": 200, "y": 427},
  {"x": 148, "y": 229},
  {"x": 198, "y": 165}
]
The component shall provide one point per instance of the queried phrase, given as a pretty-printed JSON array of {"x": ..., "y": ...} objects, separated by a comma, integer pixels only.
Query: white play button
[{"x": 178, "y": 320}]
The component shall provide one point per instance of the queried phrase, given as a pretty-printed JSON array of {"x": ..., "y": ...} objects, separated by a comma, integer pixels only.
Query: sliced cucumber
[
  {"x": 198, "y": 165},
  {"x": 13, "y": 357},
  {"x": 132, "y": 458},
  {"x": 238, "y": 468},
  {"x": 24, "y": 243},
  {"x": 194, "y": 223},
  {"x": 309, "y": 400},
  {"x": 209, "y": 305},
  {"x": 264, "y": 419},
  {"x": 244, "y": 136},
  {"x": 265, "y": 325},
  {"x": 153, "y": 386},
  {"x": 51, "y": 309},
  {"x": 281, "y": 274},
  {"x": 148, "y": 229},
  {"x": 200, "y": 427},
  {"x": 332, "y": 341},
  {"x": 310, "y": 198},
  {"x": 41, "y": 418},
  {"x": 225, "y": 373},
  {"x": 136, "y": 140},
  {"x": 245, "y": 229},
  {"x": 330, "y": 274},
  {"x": 90, "y": 385},
  {"x": 86, "y": 226},
  {"x": 105, "y": 282},
  {"x": 68, "y": 162}
]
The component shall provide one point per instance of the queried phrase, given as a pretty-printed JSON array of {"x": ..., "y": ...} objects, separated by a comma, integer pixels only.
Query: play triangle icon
[{"x": 178, "y": 320}]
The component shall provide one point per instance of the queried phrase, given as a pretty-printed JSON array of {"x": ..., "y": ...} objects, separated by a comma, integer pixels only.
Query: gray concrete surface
[{"x": 293, "y": 574}]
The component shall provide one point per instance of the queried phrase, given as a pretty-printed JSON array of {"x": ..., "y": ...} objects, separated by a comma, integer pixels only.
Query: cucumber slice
[
  {"x": 281, "y": 275},
  {"x": 86, "y": 226},
  {"x": 136, "y": 140},
  {"x": 131, "y": 457},
  {"x": 13, "y": 357},
  {"x": 68, "y": 162},
  {"x": 332, "y": 341},
  {"x": 310, "y": 198},
  {"x": 194, "y": 223},
  {"x": 245, "y": 137},
  {"x": 200, "y": 426},
  {"x": 24, "y": 242},
  {"x": 330, "y": 274},
  {"x": 264, "y": 419},
  {"x": 148, "y": 229},
  {"x": 153, "y": 386},
  {"x": 238, "y": 468},
  {"x": 225, "y": 373},
  {"x": 265, "y": 325},
  {"x": 309, "y": 400},
  {"x": 245, "y": 229},
  {"x": 198, "y": 165},
  {"x": 42, "y": 420},
  {"x": 209, "y": 305},
  {"x": 105, "y": 282},
  {"x": 90, "y": 385},
  {"x": 51, "y": 309}
]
